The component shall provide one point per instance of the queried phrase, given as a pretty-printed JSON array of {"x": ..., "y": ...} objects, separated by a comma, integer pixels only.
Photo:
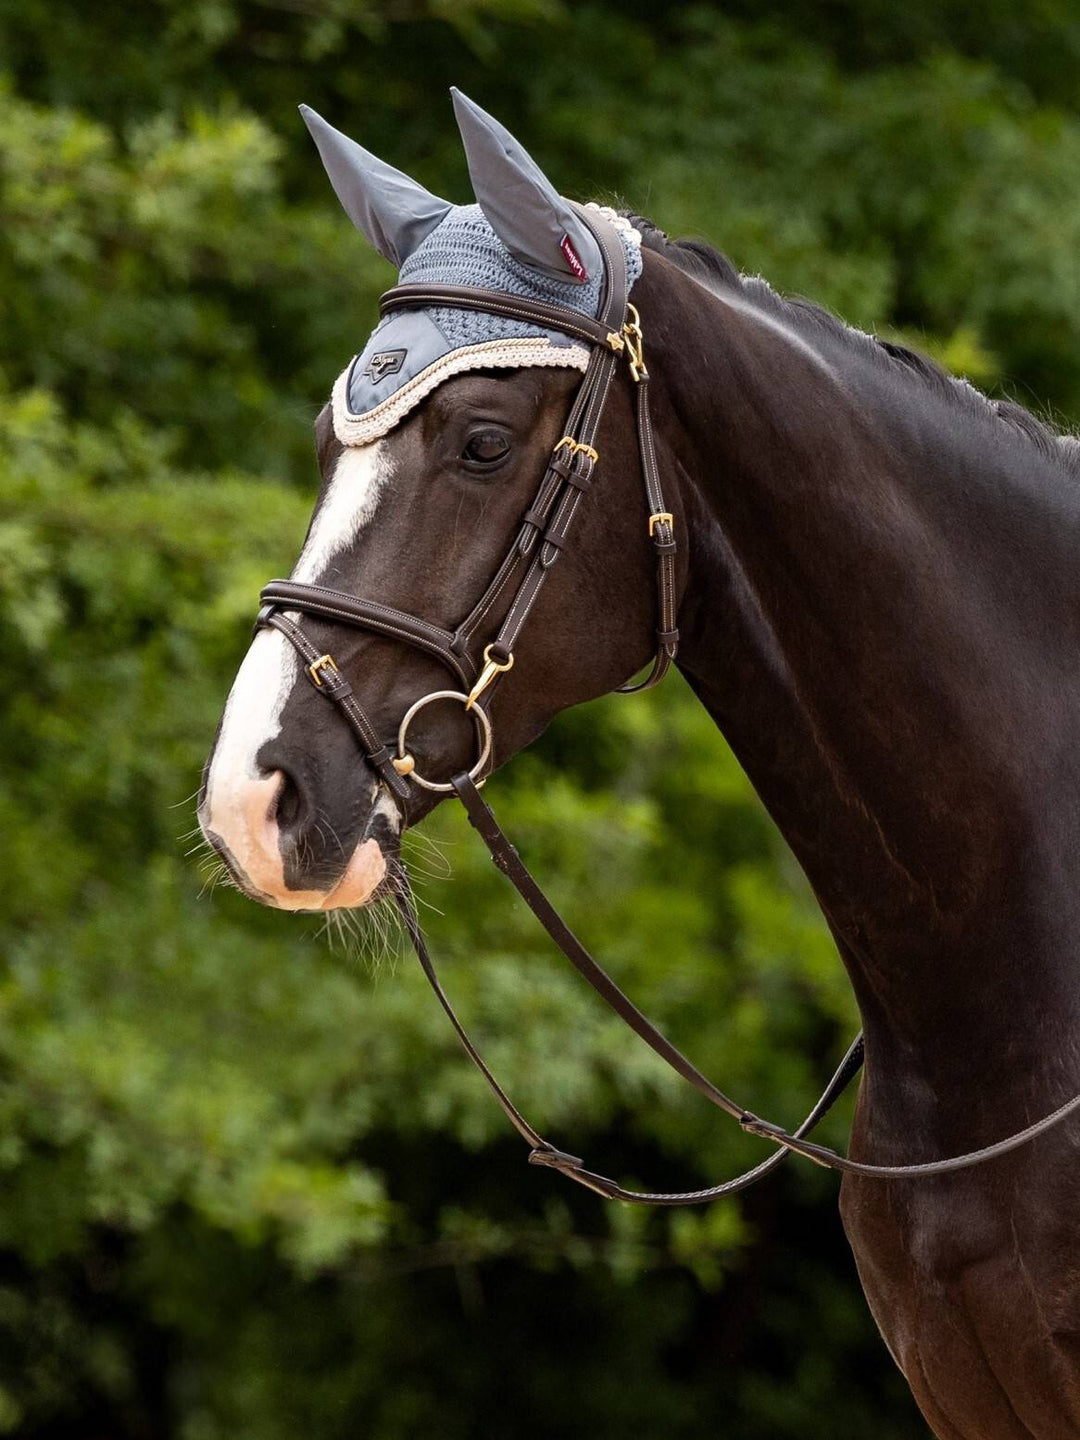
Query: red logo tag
[{"x": 573, "y": 259}]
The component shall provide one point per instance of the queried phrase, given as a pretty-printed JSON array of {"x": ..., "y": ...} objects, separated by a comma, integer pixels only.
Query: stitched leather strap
[
  {"x": 509, "y": 862},
  {"x": 498, "y": 302},
  {"x": 662, "y": 535},
  {"x": 830, "y": 1160},
  {"x": 542, "y": 1152},
  {"x": 370, "y": 615},
  {"x": 329, "y": 681}
]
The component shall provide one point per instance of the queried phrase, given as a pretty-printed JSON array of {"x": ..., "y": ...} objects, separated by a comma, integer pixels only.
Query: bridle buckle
[
  {"x": 662, "y": 517},
  {"x": 324, "y": 662},
  {"x": 487, "y": 675},
  {"x": 577, "y": 447},
  {"x": 635, "y": 344}
]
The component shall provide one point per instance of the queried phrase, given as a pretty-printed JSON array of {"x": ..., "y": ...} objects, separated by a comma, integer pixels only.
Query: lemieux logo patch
[
  {"x": 386, "y": 362},
  {"x": 572, "y": 258}
]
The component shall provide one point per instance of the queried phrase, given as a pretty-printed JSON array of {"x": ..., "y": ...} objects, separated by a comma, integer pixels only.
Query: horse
[{"x": 877, "y": 604}]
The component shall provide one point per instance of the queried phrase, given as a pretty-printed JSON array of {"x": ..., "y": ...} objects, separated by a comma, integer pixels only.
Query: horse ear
[
  {"x": 394, "y": 212},
  {"x": 528, "y": 214}
]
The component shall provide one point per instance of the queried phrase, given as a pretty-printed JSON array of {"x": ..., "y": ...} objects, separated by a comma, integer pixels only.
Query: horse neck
[{"x": 881, "y": 614}]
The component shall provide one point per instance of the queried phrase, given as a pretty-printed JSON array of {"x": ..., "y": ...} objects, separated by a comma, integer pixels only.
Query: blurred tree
[{"x": 228, "y": 1208}]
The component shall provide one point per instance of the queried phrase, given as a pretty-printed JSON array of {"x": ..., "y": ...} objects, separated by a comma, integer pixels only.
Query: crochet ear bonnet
[{"x": 522, "y": 238}]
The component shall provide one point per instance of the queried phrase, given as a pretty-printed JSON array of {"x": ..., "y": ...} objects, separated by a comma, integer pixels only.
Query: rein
[{"x": 543, "y": 535}]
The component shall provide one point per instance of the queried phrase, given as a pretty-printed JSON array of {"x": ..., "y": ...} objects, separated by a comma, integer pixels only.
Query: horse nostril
[{"x": 289, "y": 807}]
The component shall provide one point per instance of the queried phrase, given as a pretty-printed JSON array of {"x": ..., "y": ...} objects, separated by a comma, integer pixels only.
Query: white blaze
[
  {"x": 348, "y": 505},
  {"x": 252, "y": 712},
  {"x": 236, "y": 792}
]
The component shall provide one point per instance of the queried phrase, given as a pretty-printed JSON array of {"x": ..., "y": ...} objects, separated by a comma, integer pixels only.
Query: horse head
[{"x": 443, "y": 486}]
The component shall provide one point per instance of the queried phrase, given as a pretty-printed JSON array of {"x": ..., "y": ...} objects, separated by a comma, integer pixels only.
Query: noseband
[{"x": 543, "y": 535}]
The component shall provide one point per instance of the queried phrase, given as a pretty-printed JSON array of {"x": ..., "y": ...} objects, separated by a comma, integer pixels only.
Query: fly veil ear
[
  {"x": 393, "y": 211},
  {"x": 535, "y": 224},
  {"x": 528, "y": 214}
]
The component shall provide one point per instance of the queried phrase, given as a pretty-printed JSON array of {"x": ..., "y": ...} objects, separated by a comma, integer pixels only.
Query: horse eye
[{"x": 487, "y": 446}]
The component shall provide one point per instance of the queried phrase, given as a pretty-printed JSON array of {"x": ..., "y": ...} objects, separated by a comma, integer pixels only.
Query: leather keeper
[
  {"x": 261, "y": 618},
  {"x": 335, "y": 685},
  {"x": 581, "y": 479},
  {"x": 555, "y": 1159}
]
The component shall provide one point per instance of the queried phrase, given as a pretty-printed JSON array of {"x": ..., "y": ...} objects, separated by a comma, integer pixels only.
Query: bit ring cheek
[{"x": 404, "y": 763}]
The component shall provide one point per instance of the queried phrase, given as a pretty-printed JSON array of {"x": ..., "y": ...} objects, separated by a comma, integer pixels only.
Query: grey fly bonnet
[{"x": 522, "y": 237}]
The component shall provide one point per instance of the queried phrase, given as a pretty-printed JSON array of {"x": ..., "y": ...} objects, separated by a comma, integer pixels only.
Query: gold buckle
[
  {"x": 576, "y": 447},
  {"x": 659, "y": 518},
  {"x": 487, "y": 674},
  {"x": 635, "y": 344},
  {"x": 324, "y": 661}
]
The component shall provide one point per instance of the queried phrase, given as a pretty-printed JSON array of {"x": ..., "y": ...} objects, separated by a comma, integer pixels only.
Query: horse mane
[{"x": 707, "y": 265}]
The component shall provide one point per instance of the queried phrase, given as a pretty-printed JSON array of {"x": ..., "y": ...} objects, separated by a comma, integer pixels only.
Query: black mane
[{"x": 702, "y": 262}]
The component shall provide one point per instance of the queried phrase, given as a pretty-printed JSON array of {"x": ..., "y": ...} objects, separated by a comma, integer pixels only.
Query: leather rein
[{"x": 543, "y": 535}]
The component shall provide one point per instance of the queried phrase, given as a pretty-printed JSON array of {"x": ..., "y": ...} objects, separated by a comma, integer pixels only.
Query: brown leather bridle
[{"x": 544, "y": 533}]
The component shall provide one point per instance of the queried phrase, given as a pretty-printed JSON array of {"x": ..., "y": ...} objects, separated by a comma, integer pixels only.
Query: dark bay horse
[{"x": 879, "y": 605}]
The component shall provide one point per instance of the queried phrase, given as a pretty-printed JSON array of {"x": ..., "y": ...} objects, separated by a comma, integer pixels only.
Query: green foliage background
[{"x": 248, "y": 1188}]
